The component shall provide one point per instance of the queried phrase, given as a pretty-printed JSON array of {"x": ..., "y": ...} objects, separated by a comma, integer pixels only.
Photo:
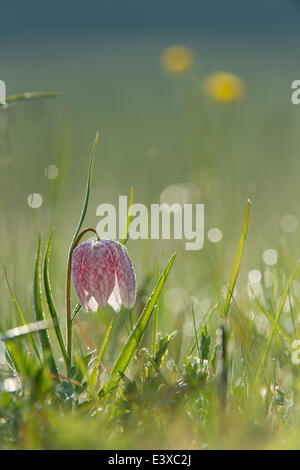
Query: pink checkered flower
[{"x": 102, "y": 273}]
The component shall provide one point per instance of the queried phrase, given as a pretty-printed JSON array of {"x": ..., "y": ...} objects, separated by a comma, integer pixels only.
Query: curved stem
[{"x": 68, "y": 290}]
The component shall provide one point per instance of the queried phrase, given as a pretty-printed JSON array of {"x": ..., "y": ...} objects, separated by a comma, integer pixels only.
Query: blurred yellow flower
[
  {"x": 177, "y": 59},
  {"x": 224, "y": 87}
]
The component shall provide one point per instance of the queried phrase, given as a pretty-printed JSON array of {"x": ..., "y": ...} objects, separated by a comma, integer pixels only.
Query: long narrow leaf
[
  {"x": 76, "y": 309},
  {"x": 156, "y": 317},
  {"x": 39, "y": 314},
  {"x": 50, "y": 301},
  {"x": 88, "y": 190},
  {"x": 237, "y": 261},
  {"x": 136, "y": 335},
  {"x": 24, "y": 330},
  {"x": 29, "y": 96},
  {"x": 129, "y": 218},
  {"x": 104, "y": 342}
]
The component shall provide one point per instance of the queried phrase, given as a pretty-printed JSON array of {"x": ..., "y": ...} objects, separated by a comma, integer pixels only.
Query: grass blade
[
  {"x": 156, "y": 317},
  {"x": 29, "y": 96},
  {"x": 23, "y": 330},
  {"x": 39, "y": 314},
  {"x": 129, "y": 217},
  {"x": 104, "y": 342},
  {"x": 271, "y": 319},
  {"x": 276, "y": 321},
  {"x": 195, "y": 331},
  {"x": 237, "y": 261},
  {"x": 88, "y": 190},
  {"x": 50, "y": 301},
  {"x": 76, "y": 310},
  {"x": 136, "y": 335}
]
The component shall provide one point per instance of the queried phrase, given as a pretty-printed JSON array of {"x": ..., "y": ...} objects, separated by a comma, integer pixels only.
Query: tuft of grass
[{"x": 237, "y": 262}]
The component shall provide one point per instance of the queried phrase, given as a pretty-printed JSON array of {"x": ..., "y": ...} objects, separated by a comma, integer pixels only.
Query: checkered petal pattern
[{"x": 102, "y": 273}]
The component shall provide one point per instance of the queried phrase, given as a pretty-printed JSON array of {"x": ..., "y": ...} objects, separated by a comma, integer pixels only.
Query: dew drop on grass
[
  {"x": 51, "y": 172},
  {"x": 35, "y": 200},
  {"x": 214, "y": 235},
  {"x": 270, "y": 256}
]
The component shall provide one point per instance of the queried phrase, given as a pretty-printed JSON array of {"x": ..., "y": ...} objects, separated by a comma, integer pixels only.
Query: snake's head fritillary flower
[
  {"x": 224, "y": 87},
  {"x": 102, "y": 273}
]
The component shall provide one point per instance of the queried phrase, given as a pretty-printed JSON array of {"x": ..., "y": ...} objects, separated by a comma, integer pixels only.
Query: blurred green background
[{"x": 156, "y": 130}]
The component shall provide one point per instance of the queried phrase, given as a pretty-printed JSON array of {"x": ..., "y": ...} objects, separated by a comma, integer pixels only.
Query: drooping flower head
[{"x": 102, "y": 273}]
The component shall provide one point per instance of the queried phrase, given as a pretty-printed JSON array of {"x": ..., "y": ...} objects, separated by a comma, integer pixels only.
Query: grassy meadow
[{"x": 206, "y": 373}]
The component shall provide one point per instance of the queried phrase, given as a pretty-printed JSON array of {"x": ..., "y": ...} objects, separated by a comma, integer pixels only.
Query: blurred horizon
[{"x": 215, "y": 17}]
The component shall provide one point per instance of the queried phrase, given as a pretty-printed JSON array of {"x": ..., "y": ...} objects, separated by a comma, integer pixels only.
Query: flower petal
[
  {"x": 124, "y": 271},
  {"x": 115, "y": 300},
  {"x": 104, "y": 273},
  {"x": 79, "y": 274}
]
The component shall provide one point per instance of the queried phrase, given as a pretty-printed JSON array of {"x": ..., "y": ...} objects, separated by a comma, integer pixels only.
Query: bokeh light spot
[
  {"x": 177, "y": 59},
  {"x": 270, "y": 256},
  {"x": 214, "y": 235},
  {"x": 51, "y": 172},
  {"x": 289, "y": 223},
  {"x": 35, "y": 200},
  {"x": 254, "y": 276},
  {"x": 224, "y": 87}
]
